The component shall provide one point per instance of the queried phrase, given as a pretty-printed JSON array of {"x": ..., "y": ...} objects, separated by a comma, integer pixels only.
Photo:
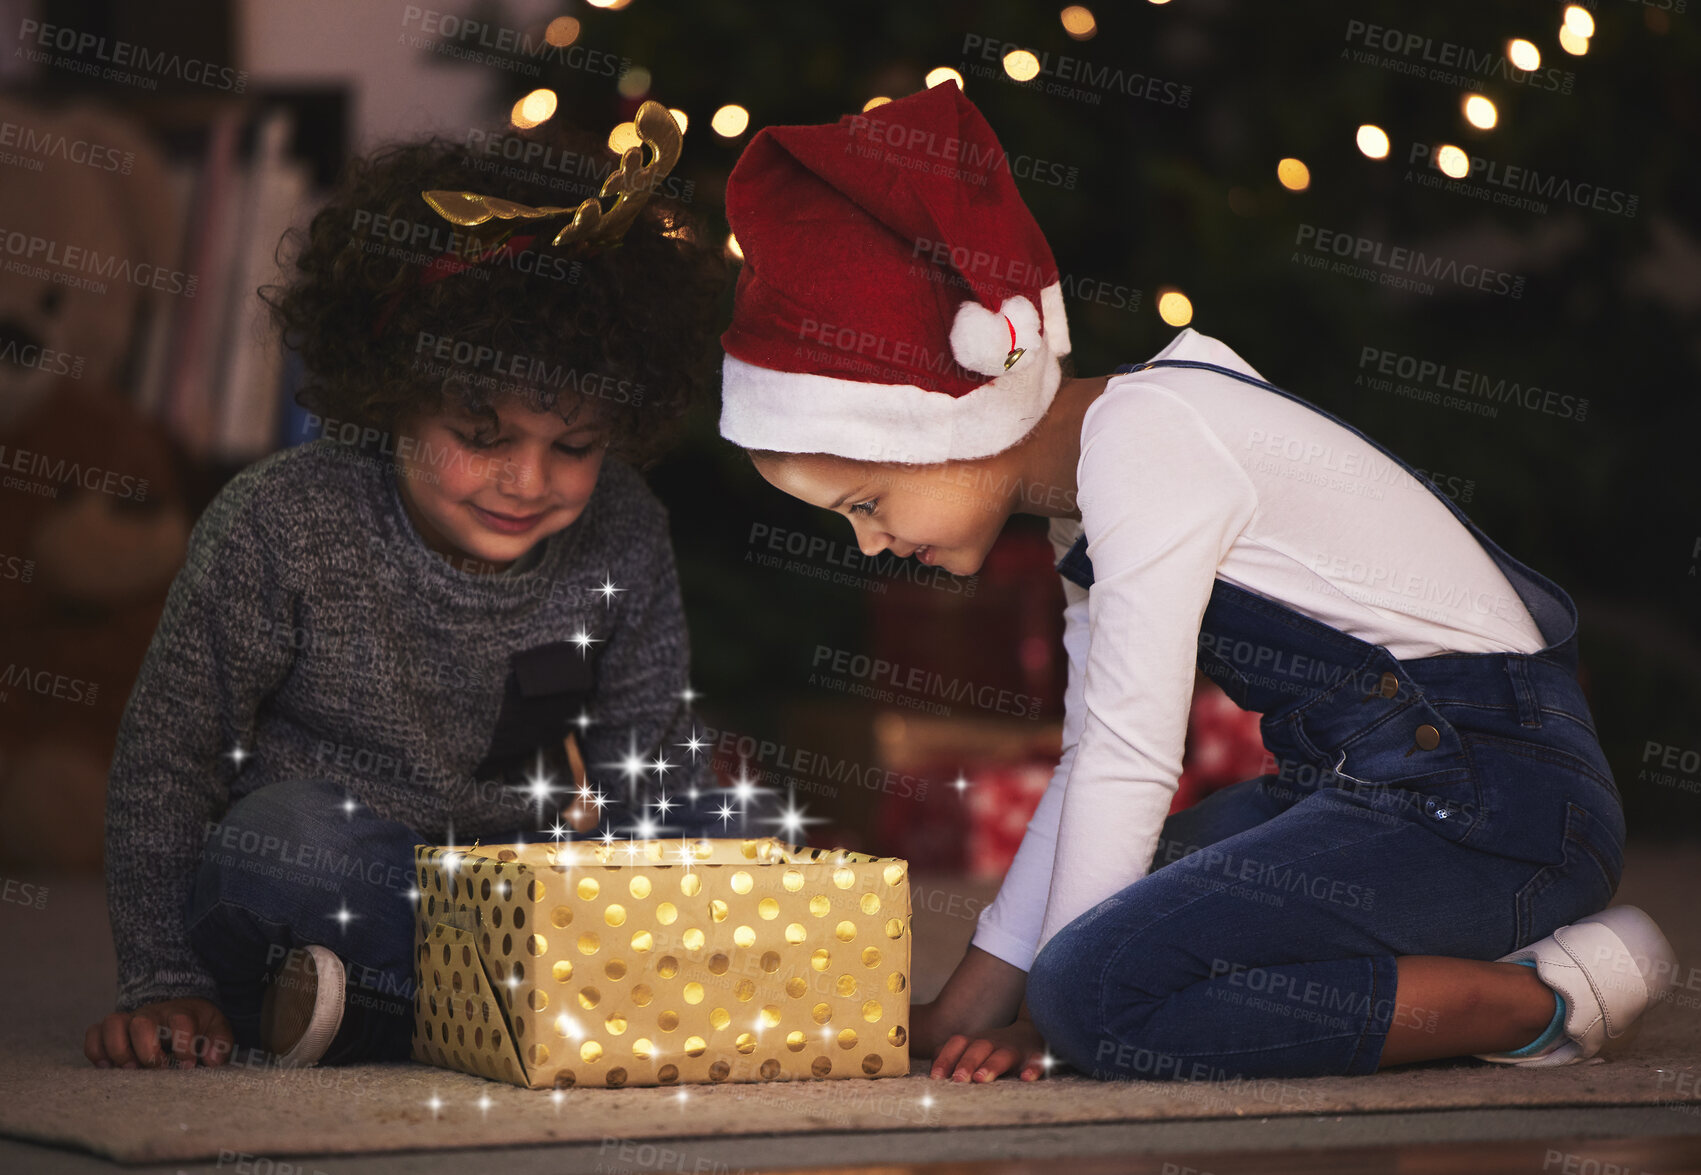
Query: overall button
[
  {"x": 1436, "y": 808},
  {"x": 1388, "y": 686},
  {"x": 1428, "y": 737}
]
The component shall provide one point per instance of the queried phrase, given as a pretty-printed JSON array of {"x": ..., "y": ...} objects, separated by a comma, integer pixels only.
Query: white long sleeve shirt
[{"x": 1187, "y": 476}]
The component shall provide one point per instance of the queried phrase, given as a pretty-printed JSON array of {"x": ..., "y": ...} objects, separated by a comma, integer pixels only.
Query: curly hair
[{"x": 625, "y": 327}]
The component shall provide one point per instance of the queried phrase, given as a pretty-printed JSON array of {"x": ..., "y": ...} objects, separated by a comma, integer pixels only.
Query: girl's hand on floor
[
  {"x": 155, "y": 1034},
  {"x": 987, "y": 1055}
]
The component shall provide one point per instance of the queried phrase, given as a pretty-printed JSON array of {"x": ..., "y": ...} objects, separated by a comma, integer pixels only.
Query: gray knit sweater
[{"x": 312, "y": 628}]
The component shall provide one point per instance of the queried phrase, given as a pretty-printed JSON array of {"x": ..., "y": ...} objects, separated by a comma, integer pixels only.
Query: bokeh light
[
  {"x": 730, "y": 121},
  {"x": 562, "y": 31},
  {"x": 634, "y": 83},
  {"x": 623, "y": 136},
  {"x": 1295, "y": 176},
  {"x": 536, "y": 107},
  {"x": 1373, "y": 141},
  {"x": 1579, "y": 21},
  {"x": 1480, "y": 112},
  {"x": 681, "y": 118},
  {"x": 1174, "y": 307},
  {"x": 1453, "y": 161},
  {"x": 1078, "y": 22},
  {"x": 1523, "y": 55},
  {"x": 873, "y": 102},
  {"x": 1021, "y": 65},
  {"x": 732, "y": 249},
  {"x": 943, "y": 74},
  {"x": 1571, "y": 42}
]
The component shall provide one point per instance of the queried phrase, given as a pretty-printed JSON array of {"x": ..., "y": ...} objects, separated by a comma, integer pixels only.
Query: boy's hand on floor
[
  {"x": 158, "y": 1034},
  {"x": 986, "y": 1056}
]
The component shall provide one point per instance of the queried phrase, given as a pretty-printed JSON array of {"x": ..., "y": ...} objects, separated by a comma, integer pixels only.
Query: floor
[{"x": 1641, "y": 1112}]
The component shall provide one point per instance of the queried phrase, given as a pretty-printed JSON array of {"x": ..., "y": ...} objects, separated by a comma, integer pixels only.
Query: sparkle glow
[{"x": 1373, "y": 141}]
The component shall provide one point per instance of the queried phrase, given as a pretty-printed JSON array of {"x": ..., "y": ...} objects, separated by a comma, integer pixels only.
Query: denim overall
[{"x": 1456, "y": 805}]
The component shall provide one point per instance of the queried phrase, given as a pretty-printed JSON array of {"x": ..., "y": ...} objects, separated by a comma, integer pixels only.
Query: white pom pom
[{"x": 980, "y": 338}]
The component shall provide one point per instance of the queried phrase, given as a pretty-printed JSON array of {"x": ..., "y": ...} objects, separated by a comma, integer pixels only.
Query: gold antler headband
[{"x": 630, "y": 184}]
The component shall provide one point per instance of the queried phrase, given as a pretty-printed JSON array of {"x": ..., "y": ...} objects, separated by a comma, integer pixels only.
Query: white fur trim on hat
[{"x": 791, "y": 412}]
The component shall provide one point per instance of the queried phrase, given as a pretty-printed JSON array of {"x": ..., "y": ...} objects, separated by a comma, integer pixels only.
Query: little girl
[
  {"x": 429, "y": 623},
  {"x": 1422, "y": 876}
]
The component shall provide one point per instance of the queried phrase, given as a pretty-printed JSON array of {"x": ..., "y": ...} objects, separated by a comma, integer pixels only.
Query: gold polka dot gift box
[{"x": 661, "y": 962}]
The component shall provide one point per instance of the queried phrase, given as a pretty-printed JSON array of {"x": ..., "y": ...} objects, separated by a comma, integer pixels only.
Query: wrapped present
[{"x": 661, "y": 962}]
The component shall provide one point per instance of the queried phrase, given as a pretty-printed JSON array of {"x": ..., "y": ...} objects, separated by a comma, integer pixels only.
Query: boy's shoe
[
  {"x": 1608, "y": 968},
  {"x": 303, "y": 1006}
]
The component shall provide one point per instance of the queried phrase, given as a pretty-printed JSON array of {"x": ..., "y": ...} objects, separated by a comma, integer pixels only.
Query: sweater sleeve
[
  {"x": 212, "y": 662},
  {"x": 1162, "y": 502},
  {"x": 1009, "y": 927}
]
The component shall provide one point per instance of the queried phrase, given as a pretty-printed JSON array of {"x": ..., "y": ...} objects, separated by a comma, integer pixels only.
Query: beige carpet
[{"x": 60, "y": 971}]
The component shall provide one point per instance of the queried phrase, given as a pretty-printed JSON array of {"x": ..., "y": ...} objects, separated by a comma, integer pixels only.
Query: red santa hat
[{"x": 897, "y": 302}]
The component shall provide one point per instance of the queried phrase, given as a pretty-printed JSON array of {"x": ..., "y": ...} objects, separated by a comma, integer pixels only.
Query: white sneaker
[
  {"x": 303, "y": 1006},
  {"x": 1609, "y": 967}
]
